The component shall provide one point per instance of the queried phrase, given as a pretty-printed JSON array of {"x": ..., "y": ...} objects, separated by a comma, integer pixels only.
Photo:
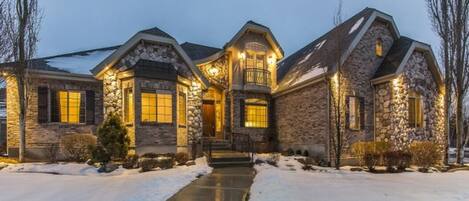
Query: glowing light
[
  {"x": 271, "y": 60},
  {"x": 242, "y": 55},
  {"x": 213, "y": 71}
]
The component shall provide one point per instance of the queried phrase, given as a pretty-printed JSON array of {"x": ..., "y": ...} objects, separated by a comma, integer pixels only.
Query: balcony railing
[{"x": 257, "y": 77}]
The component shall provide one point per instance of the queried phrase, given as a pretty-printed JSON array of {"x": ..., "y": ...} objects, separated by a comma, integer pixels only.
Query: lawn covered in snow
[
  {"x": 80, "y": 182},
  {"x": 290, "y": 182}
]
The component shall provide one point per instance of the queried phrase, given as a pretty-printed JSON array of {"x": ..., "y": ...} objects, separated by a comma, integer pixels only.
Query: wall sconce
[
  {"x": 271, "y": 60},
  {"x": 213, "y": 71},
  {"x": 242, "y": 55}
]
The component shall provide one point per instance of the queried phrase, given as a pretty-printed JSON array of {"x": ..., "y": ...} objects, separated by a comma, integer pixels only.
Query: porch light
[
  {"x": 213, "y": 71},
  {"x": 271, "y": 60},
  {"x": 242, "y": 55}
]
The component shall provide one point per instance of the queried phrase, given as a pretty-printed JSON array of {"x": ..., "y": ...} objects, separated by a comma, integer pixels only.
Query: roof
[
  {"x": 156, "y": 32},
  {"x": 155, "y": 70},
  {"x": 77, "y": 62},
  {"x": 318, "y": 56},
  {"x": 395, "y": 57},
  {"x": 197, "y": 51}
]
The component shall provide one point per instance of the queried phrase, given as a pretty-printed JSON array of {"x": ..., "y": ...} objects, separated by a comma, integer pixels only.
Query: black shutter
[
  {"x": 347, "y": 112},
  {"x": 82, "y": 107},
  {"x": 42, "y": 104},
  {"x": 90, "y": 107},
  {"x": 242, "y": 112},
  {"x": 362, "y": 113},
  {"x": 54, "y": 106}
]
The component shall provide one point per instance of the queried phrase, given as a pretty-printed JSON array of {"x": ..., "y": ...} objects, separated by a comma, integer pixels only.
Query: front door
[{"x": 208, "y": 116}]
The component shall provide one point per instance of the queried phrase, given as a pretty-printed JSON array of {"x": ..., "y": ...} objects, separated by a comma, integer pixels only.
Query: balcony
[{"x": 256, "y": 76}]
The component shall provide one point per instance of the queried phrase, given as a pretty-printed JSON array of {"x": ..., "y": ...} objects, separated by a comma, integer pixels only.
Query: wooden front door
[{"x": 208, "y": 116}]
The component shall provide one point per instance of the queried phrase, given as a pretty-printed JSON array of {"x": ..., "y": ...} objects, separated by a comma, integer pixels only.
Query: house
[{"x": 172, "y": 95}]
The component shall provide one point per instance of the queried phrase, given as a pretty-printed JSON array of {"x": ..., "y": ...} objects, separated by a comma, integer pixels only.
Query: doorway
[{"x": 208, "y": 116}]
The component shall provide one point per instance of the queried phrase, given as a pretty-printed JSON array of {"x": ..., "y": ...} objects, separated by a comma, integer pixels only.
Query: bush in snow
[
  {"x": 306, "y": 153},
  {"x": 298, "y": 152},
  {"x": 397, "y": 161},
  {"x": 76, "y": 146},
  {"x": 371, "y": 159},
  {"x": 162, "y": 161},
  {"x": 181, "y": 158},
  {"x": 130, "y": 162},
  {"x": 52, "y": 152},
  {"x": 290, "y": 152},
  {"x": 359, "y": 149},
  {"x": 425, "y": 154},
  {"x": 113, "y": 142},
  {"x": 149, "y": 155}
]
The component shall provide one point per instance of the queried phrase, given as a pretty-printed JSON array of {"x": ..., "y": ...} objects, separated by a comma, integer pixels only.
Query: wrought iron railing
[
  {"x": 243, "y": 143},
  {"x": 257, "y": 76}
]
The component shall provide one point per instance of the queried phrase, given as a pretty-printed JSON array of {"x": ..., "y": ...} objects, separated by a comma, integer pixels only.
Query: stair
[{"x": 223, "y": 156}]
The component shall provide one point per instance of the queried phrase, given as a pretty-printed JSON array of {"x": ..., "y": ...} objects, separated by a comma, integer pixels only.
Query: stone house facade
[{"x": 172, "y": 95}]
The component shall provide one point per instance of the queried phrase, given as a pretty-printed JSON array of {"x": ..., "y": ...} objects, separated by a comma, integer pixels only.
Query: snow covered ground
[
  {"x": 80, "y": 182},
  {"x": 290, "y": 182}
]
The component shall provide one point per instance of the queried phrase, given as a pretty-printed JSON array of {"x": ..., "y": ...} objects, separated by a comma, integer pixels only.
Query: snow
[
  {"x": 316, "y": 47},
  {"x": 356, "y": 25},
  {"x": 312, "y": 73},
  {"x": 80, "y": 64},
  {"x": 290, "y": 182},
  {"x": 83, "y": 183},
  {"x": 319, "y": 45},
  {"x": 306, "y": 58}
]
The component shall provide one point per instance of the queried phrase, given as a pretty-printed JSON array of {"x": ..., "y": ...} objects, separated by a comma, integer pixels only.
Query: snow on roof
[
  {"x": 315, "y": 71},
  {"x": 316, "y": 47},
  {"x": 356, "y": 25},
  {"x": 81, "y": 63}
]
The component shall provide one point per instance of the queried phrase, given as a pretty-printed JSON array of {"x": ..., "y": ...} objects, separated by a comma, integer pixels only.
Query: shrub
[
  {"x": 112, "y": 139},
  {"x": 404, "y": 162},
  {"x": 149, "y": 155},
  {"x": 52, "y": 151},
  {"x": 163, "y": 162},
  {"x": 397, "y": 161},
  {"x": 147, "y": 164},
  {"x": 306, "y": 153},
  {"x": 425, "y": 154},
  {"x": 359, "y": 149},
  {"x": 273, "y": 159},
  {"x": 298, "y": 152},
  {"x": 130, "y": 162},
  {"x": 371, "y": 160},
  {"x": 290, "y": 152},
  {"x": 100, "y": 155},
  {"x": 75, "y": 146},
  {"x": 181, "y": 158}
]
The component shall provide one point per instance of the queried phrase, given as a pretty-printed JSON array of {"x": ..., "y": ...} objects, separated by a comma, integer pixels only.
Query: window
[
  {"x": 69, "y": 106},
  {"x": 182, "y": 109},
  {"x": 256, "y": 113},
  {"x": 255, "y": 60},
  {"x": 148, "y": 107},
  {"x": 128, "y": 105},
  {"x": 164, "y": 110},
  {"x": 379, "y": 47},
  {"x": 415, "y": 110},
  {"x": 354, "y": 113}
]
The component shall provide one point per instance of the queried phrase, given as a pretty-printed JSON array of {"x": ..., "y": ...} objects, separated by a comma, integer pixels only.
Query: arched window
[{"x": 379, "y": 47}]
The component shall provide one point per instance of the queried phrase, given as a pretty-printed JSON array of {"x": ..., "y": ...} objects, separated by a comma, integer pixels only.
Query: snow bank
[
  {"x": 284, "y": 183},
  {"x": 122, "y": 186}
]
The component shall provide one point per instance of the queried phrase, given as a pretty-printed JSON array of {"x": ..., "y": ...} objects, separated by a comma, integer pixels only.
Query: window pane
[
  {"x": 379, "y": 48},
  {"x": 411, "y": 112},
  {"x": 128, "y": 106},
  {"x": 354, "y": 113},
  {"x": 74, "y": 107},
  {"x": 260, "y": 61},
  {"x": 148, "y": 107},
  {"x": 250, "y": 61},
  {"x": 182, "y": 109},
  {"x": 256, "y": 115},
  {"x": 165, "y": 108},
  {"x": 63, "y": 97}
]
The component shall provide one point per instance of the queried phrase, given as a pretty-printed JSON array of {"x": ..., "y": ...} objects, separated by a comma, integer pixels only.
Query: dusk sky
[{"x": 86, "y": 24}]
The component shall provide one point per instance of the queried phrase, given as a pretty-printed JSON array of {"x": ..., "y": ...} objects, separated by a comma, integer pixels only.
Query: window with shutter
[
  {"x": 69, "y": 102},
  {"x": 90, "y": 107}
]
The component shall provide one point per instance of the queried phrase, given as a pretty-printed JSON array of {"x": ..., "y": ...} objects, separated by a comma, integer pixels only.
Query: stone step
[{"x": 231, "y": 164}]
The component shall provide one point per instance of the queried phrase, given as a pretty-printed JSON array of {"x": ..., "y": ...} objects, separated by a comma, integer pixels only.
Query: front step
[{"x": 226, "y": 158}]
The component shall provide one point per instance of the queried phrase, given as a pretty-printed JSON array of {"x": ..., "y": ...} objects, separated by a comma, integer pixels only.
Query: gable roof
[
  {"x": 198, "y": 52},
  {"x": 397, "y": 57},
  {"x": 315, "y": 59},
  {"x": 150, "y": 35},
  {"x": 259, "y": 28}
]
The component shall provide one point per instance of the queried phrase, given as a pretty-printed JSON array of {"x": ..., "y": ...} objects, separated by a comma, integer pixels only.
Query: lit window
[
  {"x": 69, "y": 106},
  {"x": 256, "y": 115},
  {"x": 415, "y": 110},
  {"x": 182, "y": 109},
  {"x": 128, "y": 105},
  {"x": 148, "y": 107},
  {"x": 255, "y": 60},
  {"x": 164, "y": 110},
  {"x": 354, "y": 113},
  {"x": 379, "y": 47}
]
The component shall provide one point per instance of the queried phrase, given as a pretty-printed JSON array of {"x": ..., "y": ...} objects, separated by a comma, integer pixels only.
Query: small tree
[{"x": 113, "y": 142}]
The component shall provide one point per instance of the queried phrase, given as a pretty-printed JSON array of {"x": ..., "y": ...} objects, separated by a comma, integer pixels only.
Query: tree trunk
[
  {"x": 22, "y": 119},
  {"x": 459, "y": 128}
]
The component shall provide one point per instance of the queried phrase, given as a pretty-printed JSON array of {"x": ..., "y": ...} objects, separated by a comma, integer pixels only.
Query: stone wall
[
  {"x": 301, "y": 119},
  {"x": 358, "y": 70},
  {"x": 392, "y": 106},
  {"x": 38, "y": 135}
]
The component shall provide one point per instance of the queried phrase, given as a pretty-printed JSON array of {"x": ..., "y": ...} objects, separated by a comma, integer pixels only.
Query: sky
[{"x": 74, "y": 25}]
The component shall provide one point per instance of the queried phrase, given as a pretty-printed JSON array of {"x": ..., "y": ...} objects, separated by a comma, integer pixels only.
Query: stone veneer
[
  {"x": 392, "y": 106},
  {"x": 163, "y": 137},
  {"x": 301, "y": 119},
  {"x": 38, "y": 135}
]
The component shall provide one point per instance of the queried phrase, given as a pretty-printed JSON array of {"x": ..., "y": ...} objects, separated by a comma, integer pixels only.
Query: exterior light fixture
[
  {"x": 271, "y": 60},
  {"x": 213, "y": 71},
  {"x": 242, "y": 55}
]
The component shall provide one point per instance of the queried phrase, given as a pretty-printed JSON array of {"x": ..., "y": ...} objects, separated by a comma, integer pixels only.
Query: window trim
[
  {"x": 266, "y": 105},
  {"x": 357, "y": 113}
]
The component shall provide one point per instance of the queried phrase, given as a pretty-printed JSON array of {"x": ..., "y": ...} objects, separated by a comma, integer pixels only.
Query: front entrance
[{"x": 208, "y": 111}]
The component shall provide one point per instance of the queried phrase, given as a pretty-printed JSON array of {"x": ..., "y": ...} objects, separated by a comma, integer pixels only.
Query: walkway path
[{"x": 223, "y": 184}]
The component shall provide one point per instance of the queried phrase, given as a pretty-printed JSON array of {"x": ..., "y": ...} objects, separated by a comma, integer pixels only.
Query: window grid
[
  {"x": 69, "y": 106},
  {"x": 148, "y": 107},
  {"x": 164, "y": 108},
  {"x": 256, "y": 115}
]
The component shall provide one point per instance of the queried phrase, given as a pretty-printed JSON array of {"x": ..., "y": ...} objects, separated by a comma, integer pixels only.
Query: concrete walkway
[{"x": 223, "y": 184}]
